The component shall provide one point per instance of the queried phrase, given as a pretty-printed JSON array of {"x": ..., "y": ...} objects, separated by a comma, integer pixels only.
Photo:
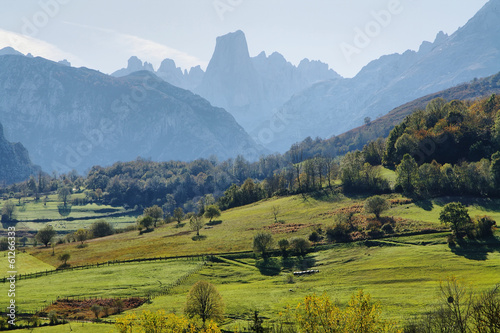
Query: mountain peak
[
  {"x": 231, "y": 46},
  {"x": 9, "y": 51}
]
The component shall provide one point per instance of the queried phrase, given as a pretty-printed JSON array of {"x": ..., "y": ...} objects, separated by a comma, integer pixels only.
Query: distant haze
[{"x": 345, "y": 34}]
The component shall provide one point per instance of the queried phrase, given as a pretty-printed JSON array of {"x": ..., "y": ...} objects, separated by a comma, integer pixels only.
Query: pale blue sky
[{"x": 104, "y": 34}]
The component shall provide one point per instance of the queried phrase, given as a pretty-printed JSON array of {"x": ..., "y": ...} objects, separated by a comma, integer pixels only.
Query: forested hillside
[{"x": 380, "y": 127}]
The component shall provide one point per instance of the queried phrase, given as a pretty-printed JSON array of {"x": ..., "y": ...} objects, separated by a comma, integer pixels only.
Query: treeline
[{"x": 448, "y": 148}]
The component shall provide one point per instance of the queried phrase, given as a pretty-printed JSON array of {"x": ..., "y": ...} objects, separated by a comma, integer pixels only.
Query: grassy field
[
  {"x": 402, "y": 273},
  {"x": 72, "y": 327},
  {"x": 30, "y": 210},
  {"x": 236, "y": 228},
  {"x": 404, "y": 278},
  {"x": 124, "y": 280}
]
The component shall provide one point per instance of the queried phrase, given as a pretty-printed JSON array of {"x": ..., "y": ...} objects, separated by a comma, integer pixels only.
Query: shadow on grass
[
  {"x": 269, "y": 266},
  {"x": 299, "y": 263},
  {"x": 198, "y": 237},
  {"x": 180, "y": 225},
  {"x": 326, "y": 195},
  {"x": 214, "y": 222},
  {"x": 424, "y": 204},
  {"x": 475, "y": 249}
]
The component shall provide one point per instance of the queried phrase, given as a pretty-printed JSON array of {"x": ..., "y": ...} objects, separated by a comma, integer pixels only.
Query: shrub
[
  {"x": 300, "y": 246},
  {"x": 101, "y": 228},
  {"x": 339, "y": 233},
  {"x": 483, "y": 226},
  {"x": 314, "y": 237},
  {"x": 387, "y": 228}
]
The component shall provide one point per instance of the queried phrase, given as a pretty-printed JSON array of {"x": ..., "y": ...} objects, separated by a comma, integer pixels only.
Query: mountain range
[
  {"x": 75, "y": 118},
  {"x": 279, "y": 104},
  {"x": 248, "y": 87}
]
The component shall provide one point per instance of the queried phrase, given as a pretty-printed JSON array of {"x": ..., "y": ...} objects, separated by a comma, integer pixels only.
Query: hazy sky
[{"x": 346, "y": 34}]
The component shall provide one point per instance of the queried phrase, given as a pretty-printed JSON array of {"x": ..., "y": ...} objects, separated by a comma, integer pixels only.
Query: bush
[
  {"x": 376, "y": 205},
  {"x": 289, "y": 278},
  {"x": 387, "y": 228},
  {"x": 341, "y": 232},
  {"x": 483, "y": 226},
  {"x": 101, "y": 228},
  {"x": 314, "y": 237},
  {"x": 300, "y": 246}
]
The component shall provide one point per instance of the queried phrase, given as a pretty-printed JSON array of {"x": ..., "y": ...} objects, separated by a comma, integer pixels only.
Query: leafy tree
[
  {"x": 178, "y": 214},
  {"x": 145, "y": 221},
  {"x": 196, "y": 223},
  {"x": 283, "y": 244},
  {"x": 96, "y": 309},
  {"x": 457, "y": 216},
  {"x": 211, "y": 212},
  {"x": 101, "y": 228},
  {"x": 64, "y": 194},
  {"x": 263, "y": 242},
  {"x": 376, "y": 205},
  {"x": 8, "y": 211},
  {"x": 45, "y": 235},
  {"x": 154, "y": 212},
  {"x": 407, "y": 173},
  {"x": 300, "y": 246},
  {"x": 204, "y": 301},
  {"x": 81, "y": 235},
  {"x": 64, "y": 258}
]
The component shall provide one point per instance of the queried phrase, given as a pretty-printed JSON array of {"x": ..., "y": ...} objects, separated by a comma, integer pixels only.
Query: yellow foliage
[
  {"x": 318, "y": 314},
  {"x": 160, "y": 322}
]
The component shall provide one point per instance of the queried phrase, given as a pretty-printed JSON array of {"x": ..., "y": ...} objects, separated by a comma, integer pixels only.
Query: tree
[
  {"x": 45, "y": 235},
  {"x": 196, "y": 224},
  {"x": 178, "y": 214},
  {"x": 81, "y": 235},
  {"x": 376, "y": 205},
  {"x": 263, "y": 242},
  {"x": 275, "y": 210},
  {"x": 155, "y": 212},
  {"x": 495, "y": 168},
  {"x": 101, "y": 228},
  {"x": 145, "y": 221},
  {"x": 457, "y": 216},
  {"x": 300, "y": 246},
  {"x": 204, "y": 301},
  {"x": 96, "y": 309},
  {"x": 211, "y": 212},
  {"x": 8, "y": 211},
  {"x": 406, "y": 174},
  {"x": 64, "y": 258},
  {"x": 64, "y": 194},
  {"x": 283, "y": 244}
]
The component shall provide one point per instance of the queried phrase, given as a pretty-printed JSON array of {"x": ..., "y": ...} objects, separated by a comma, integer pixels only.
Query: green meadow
[{"x": 401, "y": 272}]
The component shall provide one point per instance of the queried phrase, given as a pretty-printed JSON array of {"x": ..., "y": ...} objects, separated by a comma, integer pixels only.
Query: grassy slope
[
  {"x": 72, "y": 327},
  {"x": 112, "y": 281},
  {"x": 403, "y": 278},
  {"x": 238, "y": 226},
  {"x": 31, "y": 210}
]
